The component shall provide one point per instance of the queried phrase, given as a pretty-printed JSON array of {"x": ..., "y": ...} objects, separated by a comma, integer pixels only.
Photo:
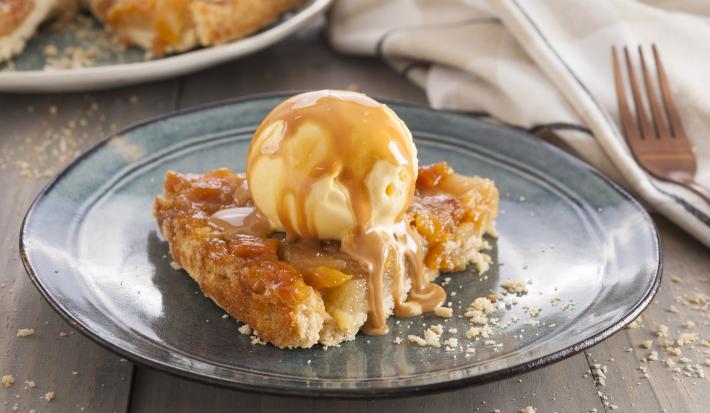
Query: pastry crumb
[
  {"x": 437, "y": 329},
  {"x": 256, "y": 341},
  {"x": 451, "y": 342},
  {"x": 528, "y": 409},
  {"x": 483, "y": 331},
  {"x": 518, "y": 287},
  {"x": 674, "y": 351},
  {"x": 8, "y": 380},
  {"x": 599, "y": 373},
  {"x": 431, "y": 338},
  {"x": 647, "y": 344},
  {"x": 676, "y": 279},
  {"x": 25, "y": 332},
  {"x": 245, "y": 329},
  {"x": 685, "y": 338},
  {"x": 534, "y": 311},
  {"x": 416, "y": 340},
  {"x": 698, "y": 298},
  {"x": 634, "y": 324},
  {"x": 31, "y": 384},
  {"x": 49, "y": 396},
  {"x": 444, "y": 312}
]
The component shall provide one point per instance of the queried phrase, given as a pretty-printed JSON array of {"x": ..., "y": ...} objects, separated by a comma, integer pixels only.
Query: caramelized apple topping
[
  {"x": 430, "y": 175},
  {"x": 324, "y": 277}
]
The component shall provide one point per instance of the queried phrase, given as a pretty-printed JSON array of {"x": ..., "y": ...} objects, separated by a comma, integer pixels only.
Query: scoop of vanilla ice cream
[{"x": 325, "y": 164}]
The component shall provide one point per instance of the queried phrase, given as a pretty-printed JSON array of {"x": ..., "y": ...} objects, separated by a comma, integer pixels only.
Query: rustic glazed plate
[
  {"x": 125, "y": 67},
  {"x": 590, "y": 253}
]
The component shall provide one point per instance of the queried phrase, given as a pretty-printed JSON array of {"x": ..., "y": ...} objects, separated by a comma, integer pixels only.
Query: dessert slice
[
  {"x": 170, "y": 26},
  {"x": 297, "y": 293},
  {"x": 159, "y": 26}
]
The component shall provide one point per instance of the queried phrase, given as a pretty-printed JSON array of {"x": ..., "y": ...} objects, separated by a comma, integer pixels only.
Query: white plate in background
[{"x": 29, "y": 76}]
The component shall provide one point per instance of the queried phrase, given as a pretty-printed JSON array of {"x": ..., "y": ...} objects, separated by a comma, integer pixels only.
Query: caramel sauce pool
[{"x": 361, "y": 132}]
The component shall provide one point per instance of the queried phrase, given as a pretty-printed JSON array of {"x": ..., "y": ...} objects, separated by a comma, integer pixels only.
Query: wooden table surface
[{"x": 40, "y": 133}]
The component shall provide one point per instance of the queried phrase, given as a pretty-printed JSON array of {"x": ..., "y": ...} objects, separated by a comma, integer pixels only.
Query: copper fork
[{"x": 661, "y": 146}]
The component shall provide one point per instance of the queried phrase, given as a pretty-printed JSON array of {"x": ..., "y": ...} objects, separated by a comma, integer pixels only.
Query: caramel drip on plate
[
  {"x": 371, "y": 249},
  {"x": 424, "y": 295},
  {"x": 401, "y": 246}
]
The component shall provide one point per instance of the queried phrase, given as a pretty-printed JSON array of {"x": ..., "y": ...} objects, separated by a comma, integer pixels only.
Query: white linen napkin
[{"x": 545, "y": 65}]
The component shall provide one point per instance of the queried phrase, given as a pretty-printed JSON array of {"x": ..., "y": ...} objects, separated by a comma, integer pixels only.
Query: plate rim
[
  {"x": 349, "y": 393},
  {"x": 119, "y": 75}
]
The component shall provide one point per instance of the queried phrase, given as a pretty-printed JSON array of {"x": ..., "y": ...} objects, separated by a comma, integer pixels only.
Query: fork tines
[{"x": 662, "y": 126}]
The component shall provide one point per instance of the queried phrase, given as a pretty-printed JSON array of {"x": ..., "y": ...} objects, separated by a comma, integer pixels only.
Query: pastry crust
[
  {"x": 19, "y": 20},
  {"x": 221, "y": 21}
]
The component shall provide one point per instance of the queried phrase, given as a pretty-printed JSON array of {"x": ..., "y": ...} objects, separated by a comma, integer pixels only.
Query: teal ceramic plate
[
  {"x": 90, "y": 245},
  {"x": 110, "y": 68}
]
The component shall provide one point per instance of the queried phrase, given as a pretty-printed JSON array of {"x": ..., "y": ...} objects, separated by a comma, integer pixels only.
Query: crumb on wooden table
[
  {"x": 25, "y": 332},
  {"x": 8, "y": 380}
]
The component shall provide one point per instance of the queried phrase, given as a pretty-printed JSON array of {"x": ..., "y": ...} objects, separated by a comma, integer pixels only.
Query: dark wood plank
[{"x": 46, "y": 132}]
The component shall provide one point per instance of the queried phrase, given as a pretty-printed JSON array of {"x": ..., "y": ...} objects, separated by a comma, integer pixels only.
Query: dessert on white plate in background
[{"x": 159, "y": 26}]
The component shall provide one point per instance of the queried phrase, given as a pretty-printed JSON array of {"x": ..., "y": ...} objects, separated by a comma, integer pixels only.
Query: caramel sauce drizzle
[
  {"x": 242, "y": 220},
  {"x": 360, "y": 132}
]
